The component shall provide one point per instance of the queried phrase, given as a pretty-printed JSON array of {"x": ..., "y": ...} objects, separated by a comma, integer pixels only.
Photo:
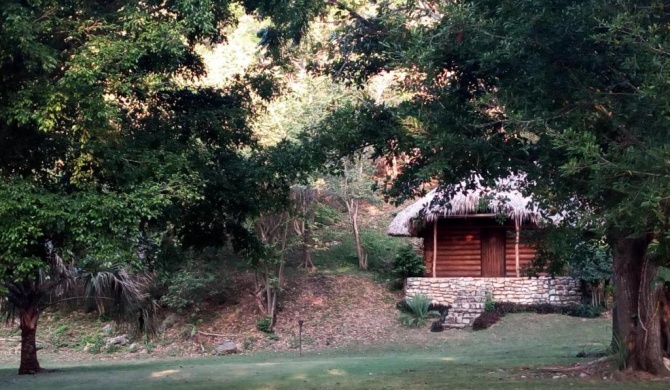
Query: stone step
[{"x": 455, "y": 326}]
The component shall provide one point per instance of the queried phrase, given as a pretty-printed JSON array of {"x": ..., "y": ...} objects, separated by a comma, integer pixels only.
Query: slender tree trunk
[
  {"x": 353, "y": 214},
  {"x": 28, "y": 317},
  {"x": 307, "y": 243},
  {"x": 637, "y": 320}
]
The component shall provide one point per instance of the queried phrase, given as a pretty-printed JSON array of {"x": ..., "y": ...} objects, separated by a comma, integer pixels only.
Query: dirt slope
[{"x": 337, "y": 310}]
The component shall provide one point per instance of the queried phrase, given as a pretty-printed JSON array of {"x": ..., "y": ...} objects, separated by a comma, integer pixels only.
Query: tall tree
[
  {"x": 573, "y": 93},
  {"x": 106, "y": 139}
]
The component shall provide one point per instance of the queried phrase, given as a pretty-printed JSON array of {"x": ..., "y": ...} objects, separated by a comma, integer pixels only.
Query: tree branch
[
  {"x": 351, "y": 11},
  {"x": 213, "y": 334}
]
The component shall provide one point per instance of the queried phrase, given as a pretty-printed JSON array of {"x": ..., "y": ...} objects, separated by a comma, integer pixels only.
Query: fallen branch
[
  {"x": 578, "y": 367},
  {"x": 214, "y": 334},
  {"x": 18, "y": 339}
]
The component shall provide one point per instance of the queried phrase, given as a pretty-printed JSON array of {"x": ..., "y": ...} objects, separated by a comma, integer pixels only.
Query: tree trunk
[
  {"x": 637, "y": 320},
  {"x": 28, "y": 317},
  {"x": 649, "y": 355},
  {"x": 353, "y": 213},
  {"x": 665, "y": 322},
  {"x": 307, "y": 245}
]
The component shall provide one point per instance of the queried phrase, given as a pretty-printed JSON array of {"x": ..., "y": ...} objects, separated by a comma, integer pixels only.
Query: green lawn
[{"x": 498, "y": 358}]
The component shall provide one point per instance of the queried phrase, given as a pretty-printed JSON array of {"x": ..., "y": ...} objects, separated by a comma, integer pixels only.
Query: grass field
[{"x": 503, "y": 357}]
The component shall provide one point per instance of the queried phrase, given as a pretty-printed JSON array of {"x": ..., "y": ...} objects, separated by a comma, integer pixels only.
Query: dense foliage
[
  {"x": 112, "y": 151},
  {"x": 110, "y": 145},
  {"x": 571, "y": 93},
  {"x": 408, "y": 263}
]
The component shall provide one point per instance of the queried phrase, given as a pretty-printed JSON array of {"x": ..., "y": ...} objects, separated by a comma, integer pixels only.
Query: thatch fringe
[{"x": 504, "y": 199}]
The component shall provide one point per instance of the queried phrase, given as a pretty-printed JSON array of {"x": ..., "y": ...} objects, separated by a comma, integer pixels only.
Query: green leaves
[
  {"x": 415, "y": 311},
  {"x": 89, "y": 225},
  {"x": 663, "y": 277},
  {"x": 408, "y": 263}
]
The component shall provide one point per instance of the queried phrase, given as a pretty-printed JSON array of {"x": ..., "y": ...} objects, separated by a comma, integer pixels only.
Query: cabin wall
[
  {"x": 526, "y": 254},
  {"x": 459, "y": 247},
  {"x": 458, "y": 251}
]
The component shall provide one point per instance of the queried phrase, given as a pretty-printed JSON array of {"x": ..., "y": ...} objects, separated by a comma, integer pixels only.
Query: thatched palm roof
[{"x": 503, "y": 199}]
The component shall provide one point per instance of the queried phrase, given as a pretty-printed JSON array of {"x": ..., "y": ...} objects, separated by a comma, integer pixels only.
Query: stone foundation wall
[
  {"x": 468, "y": 295},
  {"x": 559, "y": 291},
  {"x": 467, "y": 306}
]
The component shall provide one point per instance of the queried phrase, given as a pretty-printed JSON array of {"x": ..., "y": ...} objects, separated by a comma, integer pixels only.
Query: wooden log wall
[
  {"x": 458, "y": 251},
  {"x": 459, "y": 248},
  {"x": 526, "y": 254}
]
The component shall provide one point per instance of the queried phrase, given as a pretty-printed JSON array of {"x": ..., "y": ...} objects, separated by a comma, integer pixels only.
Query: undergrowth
[
  {"x": 494, "y": 311},
  {"x": 415, "y": 311}
]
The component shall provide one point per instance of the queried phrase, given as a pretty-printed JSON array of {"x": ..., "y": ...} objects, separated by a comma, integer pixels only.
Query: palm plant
[
  {"x": 416, "y": 311},
  {"x": 115, "y": 292}
]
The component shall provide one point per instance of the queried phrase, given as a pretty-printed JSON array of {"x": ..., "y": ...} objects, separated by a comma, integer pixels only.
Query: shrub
[
  {"x": 407, "y": 263},
  {"x": 58, "y": 339},
  {"x": 567, "y": 250},
  {"x": 544, "y": 308},
  {"x": 489, "y": 305},
  {"x": 503, "y": 308},
  {"x": 264, "y": 324},
  {"x": 485, "y": 320},
  {"x": 583, "y": 310},
  {"x": 440, "y": 308},
  {"x": 272, "y": 336},
  {"x": 92, "y": 343},
  {"x": 443, "y": 311},
  {"x": 325, "y": 215},
  {"x": 380, "y": 249},
  {"x": 416, "y": 311},
  {"x": 195, "y": 283},
  {"x": 574, "y": 310},
  {"x": 112, "y": 348}
]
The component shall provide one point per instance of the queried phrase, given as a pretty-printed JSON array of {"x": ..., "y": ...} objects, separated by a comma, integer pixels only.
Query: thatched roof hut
[
  {"x": 504, "y": 199},
  {"x": 472, "y": 232}
]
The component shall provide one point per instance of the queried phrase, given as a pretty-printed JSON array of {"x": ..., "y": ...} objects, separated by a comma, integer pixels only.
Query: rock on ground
[
  {"x": 226, "y": 348},
  {"x": 168, "y": 322},
  {"x": 118, "y": 340}
]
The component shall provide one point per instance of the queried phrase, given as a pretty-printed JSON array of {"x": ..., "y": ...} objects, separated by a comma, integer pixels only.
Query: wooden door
[{"x": 493, "y": 252}]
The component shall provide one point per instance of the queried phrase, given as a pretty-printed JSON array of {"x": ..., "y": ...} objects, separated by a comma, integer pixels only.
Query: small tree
[
  {"x": 568, "y": 250},
  {"x": 268, "y": 260},
  {"x": 352, "y": 188},
  {"x": 303, "y": 201},
  {"x": 591, "y": 261},
  {"x": 407, "y": 263},
  {"x": 74, "y": 249}
]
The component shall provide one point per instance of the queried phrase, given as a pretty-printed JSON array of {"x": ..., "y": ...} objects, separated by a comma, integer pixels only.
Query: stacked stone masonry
[
  {"x": 468, "y": 295},
  {"x": 467, "y": 306}
]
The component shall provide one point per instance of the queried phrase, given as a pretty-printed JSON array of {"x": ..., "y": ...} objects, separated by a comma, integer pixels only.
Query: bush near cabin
[{"x": 500, "y": 309}]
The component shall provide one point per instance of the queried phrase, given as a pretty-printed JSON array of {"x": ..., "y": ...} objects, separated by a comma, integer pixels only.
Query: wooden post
[
  {"x": 516, "y": 247},
  {"x": 300, "y": 322},
  {"x": 435, "y": 248}
]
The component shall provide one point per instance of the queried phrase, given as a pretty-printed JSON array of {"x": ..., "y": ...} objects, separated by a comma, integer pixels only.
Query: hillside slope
[{"x": 338, "y": 310}]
